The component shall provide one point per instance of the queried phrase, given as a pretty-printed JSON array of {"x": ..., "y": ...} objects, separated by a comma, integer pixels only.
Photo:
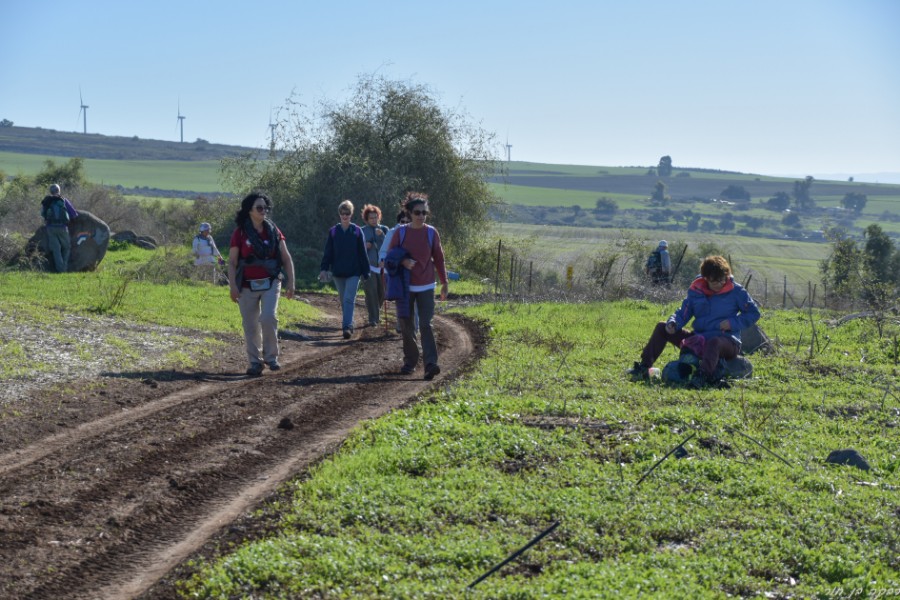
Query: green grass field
[
  {"x": 197, "y": 176},
  {"x": 547, "y": 428}
]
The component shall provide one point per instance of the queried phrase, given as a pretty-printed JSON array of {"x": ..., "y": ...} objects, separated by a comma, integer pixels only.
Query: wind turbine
[
  {"x": 272, "y": 127},
  {"x": 181, "y": 119},
  {"x": 83, "y": 108},
  {"x": 508, "y": 148}
]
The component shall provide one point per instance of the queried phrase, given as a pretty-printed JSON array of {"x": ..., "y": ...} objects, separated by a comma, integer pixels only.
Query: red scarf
[{"x": 700, "y": 285}]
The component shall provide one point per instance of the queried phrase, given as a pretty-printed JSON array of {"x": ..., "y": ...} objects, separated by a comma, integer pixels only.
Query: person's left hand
[
  {"x": 443, "y": 292},
  {"x": 725, "y": 325}
]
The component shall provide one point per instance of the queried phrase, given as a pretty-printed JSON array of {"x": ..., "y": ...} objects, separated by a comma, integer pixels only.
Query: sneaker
[
  {"x": 430, "y": 371},
  {"x": 254, "y": 370},
  {"x": 273, "y": 365},
  {"x": 407, "y": 370},
  {"x": 347, "y": 333},
  {"x": 638, "y": 371}
]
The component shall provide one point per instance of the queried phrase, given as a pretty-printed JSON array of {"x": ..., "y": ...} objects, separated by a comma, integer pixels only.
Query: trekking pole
[
  {"x": 515, "y": 554},
  {"x": 678, "y": 264}
]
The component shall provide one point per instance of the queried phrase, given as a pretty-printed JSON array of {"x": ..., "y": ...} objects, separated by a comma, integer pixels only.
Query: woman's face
[
  {"x": 372, "y": 218},
  {"x": 345, "y": 214},
  {"x": 716, "y": 285},
  {"x": 418, "y": 213},
  {"x": 259, "y": 211}
]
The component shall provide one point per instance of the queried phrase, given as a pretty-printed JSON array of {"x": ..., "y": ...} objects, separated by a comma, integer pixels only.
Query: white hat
[
  {"x": 663, "y": 244},
  {"x": 204, "y": 227}
]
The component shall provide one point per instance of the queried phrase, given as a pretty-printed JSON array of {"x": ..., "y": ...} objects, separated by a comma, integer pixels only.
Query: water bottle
[{"x": 654, "y": 373}]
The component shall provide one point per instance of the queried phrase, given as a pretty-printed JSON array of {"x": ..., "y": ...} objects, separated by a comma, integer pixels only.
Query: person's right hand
[
  {"x": 670, "y": 328},
  {"x": 408, "y": 263}
]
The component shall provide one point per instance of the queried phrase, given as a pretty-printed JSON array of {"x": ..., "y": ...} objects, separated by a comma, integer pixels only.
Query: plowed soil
[{"x": 109, "y": 485}]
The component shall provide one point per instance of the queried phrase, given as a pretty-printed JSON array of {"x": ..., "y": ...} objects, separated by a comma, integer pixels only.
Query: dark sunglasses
[
  {"x": 419, "y": 213},
  {"x": 344, "y": 213},
  {"x": 262, "y": 208}
]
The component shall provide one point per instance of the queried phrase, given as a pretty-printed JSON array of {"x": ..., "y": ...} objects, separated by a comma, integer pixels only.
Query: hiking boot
[
  {"x": 407, "y": 370},
  {"x": 347, "y": 333},
  {"x": 699, "y": 381},
  {"x": 430, "y": 371},
  {"x": 638, "y": 371},
  {"x": 254, "y": 370},
  {"x": 273, "y": 365}
]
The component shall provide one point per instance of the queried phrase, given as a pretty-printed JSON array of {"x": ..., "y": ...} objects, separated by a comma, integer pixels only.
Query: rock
[
  {"x": 89, "y": 236},
  {"x": 127, "y": 236},
  {"x": 848, "y": 457},
  {"x": 145, "y": 244}
]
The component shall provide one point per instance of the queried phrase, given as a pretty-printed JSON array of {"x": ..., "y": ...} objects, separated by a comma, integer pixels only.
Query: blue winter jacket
[
  {"x": 397, "y": 280},
  {"x": 709, "y": 309},
  {"x": 345, "y": 252}
]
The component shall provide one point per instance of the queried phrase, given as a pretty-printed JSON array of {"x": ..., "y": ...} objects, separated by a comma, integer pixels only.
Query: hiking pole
[
  {"x": 678, "y": 264},
  {"x": 515, "y": 554}
]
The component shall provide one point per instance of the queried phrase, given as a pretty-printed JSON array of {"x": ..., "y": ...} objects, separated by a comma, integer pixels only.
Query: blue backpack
[{"x": 681, "y": 371}]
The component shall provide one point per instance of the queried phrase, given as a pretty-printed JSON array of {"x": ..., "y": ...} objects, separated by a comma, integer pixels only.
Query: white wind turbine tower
[
  {"x": 181, "y": 119},
  {"x": 83, "y": 108},
  {"x": 272, "y": 127},
  {"x": 508, "y": 148}
]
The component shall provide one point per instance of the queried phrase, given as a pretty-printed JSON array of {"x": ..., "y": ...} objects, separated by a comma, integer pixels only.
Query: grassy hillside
[{"x": 548, "y": 429}]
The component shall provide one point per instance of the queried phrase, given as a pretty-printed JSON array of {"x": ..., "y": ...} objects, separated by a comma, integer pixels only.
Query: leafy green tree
[
  {"x": 854, "y": 201},
  {"x": 659, "y": 195},
  {"x": 879, "y": 253},
  {"x": 736, "y": 193},
  {"x": 708, "y": 226},
  {"x": 780, "y": 202},
  {"x": 605, "y": 206},
  {"x": 791, "y": 220},
  {"x": 801, "y": 193},
  {"x": 755, "y": 223},
  {"x": 664, "y": 168},
  {"x": 69, "y": 175},
  {"x": 6, "y": 123},
  {"x": 388, "y": 138},
  {"x": 726, "y": 223}
]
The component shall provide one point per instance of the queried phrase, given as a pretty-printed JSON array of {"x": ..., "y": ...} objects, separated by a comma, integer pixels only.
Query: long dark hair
[{"x": 247, "y": 203}]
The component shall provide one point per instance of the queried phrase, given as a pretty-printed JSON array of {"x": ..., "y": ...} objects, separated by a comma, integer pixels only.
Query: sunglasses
[
  {"x": 420, "y": 213},
  {"x": 262, "y": 208},
  {"x": 344, "y": 213}
]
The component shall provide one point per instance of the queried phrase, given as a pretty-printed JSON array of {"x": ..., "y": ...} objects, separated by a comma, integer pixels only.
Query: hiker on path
[
  {"x": 57, "y": 212},
  {"x": 204, "y": 250},
  {"x": 258, "y": 259},
  {"x": 374, "y": 235},
  {"x": 346, "y": 259},
  {"x": 402, "y": 219},
  {"x": 720, "y": 308},
  {"x": 424, "y": 258},
  {"x": 659, "y": 264}
]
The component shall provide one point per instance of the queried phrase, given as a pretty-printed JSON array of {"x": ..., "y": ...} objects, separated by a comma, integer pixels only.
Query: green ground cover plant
[
  {"x": 153, "y": 287},
  {"x": 547, "y": 428}
]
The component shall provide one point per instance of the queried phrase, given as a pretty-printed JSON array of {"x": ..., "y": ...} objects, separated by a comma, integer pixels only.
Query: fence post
[
  {"x": 784, "y": 294},
  {"x": 530, "y": 272},
  {"x": 765, "y": 292},
  {"x": 512, "y": 272},
  {"x": 497, "y": 276}
]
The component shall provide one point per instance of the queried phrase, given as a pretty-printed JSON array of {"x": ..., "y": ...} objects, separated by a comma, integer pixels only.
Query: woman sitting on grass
[{"x": 720, "y": 308}]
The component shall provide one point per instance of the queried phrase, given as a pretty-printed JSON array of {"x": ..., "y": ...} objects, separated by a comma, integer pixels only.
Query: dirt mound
[{"x": 111, "y": 482}]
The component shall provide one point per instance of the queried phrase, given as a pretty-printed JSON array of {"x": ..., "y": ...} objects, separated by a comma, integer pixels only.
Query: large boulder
[{"x": 89, "y": 236}]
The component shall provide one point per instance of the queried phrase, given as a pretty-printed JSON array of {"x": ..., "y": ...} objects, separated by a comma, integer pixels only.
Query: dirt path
[{"x": 128, "y": 479}]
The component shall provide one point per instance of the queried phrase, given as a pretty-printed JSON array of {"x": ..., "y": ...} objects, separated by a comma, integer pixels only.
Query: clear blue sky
[{"x": 770, "y": 86}]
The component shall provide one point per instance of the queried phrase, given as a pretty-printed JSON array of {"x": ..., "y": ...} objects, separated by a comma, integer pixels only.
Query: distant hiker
[
  {"x": 204, "y": 247},
  {"x": 206, "y": 255},
  {"x": 720, "y": 308},
  {"x": 373, "y": 235},
  {"x": 424, "y": 258},
  {"x": 346, "y": 259},
  {"x": 402, "y": 219},
  {"x": 659, "y": 264},
  {"x": 57, "y": 212},
  {"x": 258, "y": 259}
]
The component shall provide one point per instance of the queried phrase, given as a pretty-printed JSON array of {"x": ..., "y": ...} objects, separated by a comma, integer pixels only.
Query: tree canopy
[{"x": 388, "y": 138}]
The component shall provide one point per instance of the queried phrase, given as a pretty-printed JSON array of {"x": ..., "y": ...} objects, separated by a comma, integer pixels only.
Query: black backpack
[
  {"x": 56, "y": 213},
  {"x": 654, "y": 261}
]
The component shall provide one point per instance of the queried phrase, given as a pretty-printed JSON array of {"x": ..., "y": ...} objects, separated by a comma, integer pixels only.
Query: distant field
[
  {"x": 194, "y": 176},
  {"x": 553, "y": 248}
]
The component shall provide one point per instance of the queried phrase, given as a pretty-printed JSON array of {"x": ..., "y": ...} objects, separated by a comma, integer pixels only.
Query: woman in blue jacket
[
  {"x": 720, "y": 309},
  {"x": 345, "y": 257}
]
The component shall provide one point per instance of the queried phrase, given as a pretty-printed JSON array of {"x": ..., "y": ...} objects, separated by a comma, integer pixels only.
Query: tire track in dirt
[{"x": 107, "y": 509}]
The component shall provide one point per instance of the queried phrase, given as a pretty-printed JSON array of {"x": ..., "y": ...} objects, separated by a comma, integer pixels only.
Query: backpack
[
  {"x": 429, "y": 228},
  {"x": 356, "y": 230},
  {"x": 56, "y": 213},
  {"x": 681, "y": 371},
  {"x": 654, "y": 261},
  {"x": 754, "y": 339}
]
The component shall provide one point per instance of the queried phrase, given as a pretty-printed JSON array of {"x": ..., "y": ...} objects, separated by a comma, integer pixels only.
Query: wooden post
[
  {"x": 784, "y": 294},
  {"x": 530, "y": 272},
  {"x": 512, "y": 272},
  {"x": 497, "y": 276}
]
